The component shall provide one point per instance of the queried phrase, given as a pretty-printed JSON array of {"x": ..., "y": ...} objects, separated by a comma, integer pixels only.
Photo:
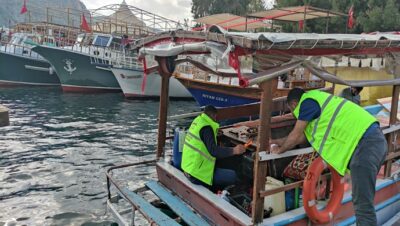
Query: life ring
[{"x": 309, "y": 193}]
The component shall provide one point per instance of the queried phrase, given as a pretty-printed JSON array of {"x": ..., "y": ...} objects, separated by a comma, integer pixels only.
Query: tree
[
  {"x": 201, "y": 8},
  {"x": 370, "y": 15},
  {"x": 391, "y": 16}
]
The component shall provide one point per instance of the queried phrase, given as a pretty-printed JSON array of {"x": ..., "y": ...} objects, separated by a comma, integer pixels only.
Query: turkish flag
[
  {"x": 301, "y": 25},
  {"x": 24, "y": 9},
  {"x": 84, "y": 24},
  {"x": 350, "y": 20}
]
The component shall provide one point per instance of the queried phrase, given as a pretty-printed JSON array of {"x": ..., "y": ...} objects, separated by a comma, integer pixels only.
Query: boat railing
[
  {"x": 19, "y": 50},
  {"x": 191, "y": 72}
]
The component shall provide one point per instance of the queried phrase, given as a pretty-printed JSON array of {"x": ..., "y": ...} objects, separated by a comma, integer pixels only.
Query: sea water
[{"x": 54, "y": 155}]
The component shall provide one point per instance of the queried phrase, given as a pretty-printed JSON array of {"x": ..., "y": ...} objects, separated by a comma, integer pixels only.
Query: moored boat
[
  {"x": 210, "y": 89},
  {"x": 196, "y": 205},
  {"x": 85, "y": 68},
  {"x": 135, "y": 84},
  {"x": 19, "y": 65}
]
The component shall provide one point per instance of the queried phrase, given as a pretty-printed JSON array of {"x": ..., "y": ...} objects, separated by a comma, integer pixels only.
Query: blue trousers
[{"x": 222, "y": 178}]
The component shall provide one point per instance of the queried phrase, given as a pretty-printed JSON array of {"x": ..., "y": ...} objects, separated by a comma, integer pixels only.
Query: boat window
[
  {"x": 101, "y": 41},
  {"x": 115, "y": 43},
  {"x": 80, "y": 38},
  {"x": 16, "y": 40}
]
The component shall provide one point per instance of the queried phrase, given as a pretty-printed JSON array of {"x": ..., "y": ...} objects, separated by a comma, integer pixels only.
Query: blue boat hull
[{"x": 220, "y": 100}]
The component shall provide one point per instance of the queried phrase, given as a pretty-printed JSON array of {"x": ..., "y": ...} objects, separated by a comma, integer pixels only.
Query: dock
[{"x": 4, "y": 116}]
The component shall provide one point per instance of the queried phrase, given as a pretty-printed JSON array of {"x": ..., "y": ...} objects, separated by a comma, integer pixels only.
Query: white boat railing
[{"x": 19, "y": 50}]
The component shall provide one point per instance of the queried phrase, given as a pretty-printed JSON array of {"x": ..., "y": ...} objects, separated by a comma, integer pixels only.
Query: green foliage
[
  {"x": 370, "y": 15},
  {"x": 201, "y": 8}
]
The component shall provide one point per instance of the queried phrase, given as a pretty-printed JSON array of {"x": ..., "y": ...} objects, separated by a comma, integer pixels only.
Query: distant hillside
[{"x": 37, "y": 11}]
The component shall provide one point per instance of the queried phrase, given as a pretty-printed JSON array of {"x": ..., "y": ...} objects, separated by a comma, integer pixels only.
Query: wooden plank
[
  {"x": 260, "y": 168},
  {"x": 176, "y": 204},
  {"x": 288, "y": 187},
  {"x": 387, "y": 105},
  {"x": 393, "y": 118},
  {"x": 266, "y": 157},
  {"x": 150, "y": 212},
  {"x": 4, "y": 116}
]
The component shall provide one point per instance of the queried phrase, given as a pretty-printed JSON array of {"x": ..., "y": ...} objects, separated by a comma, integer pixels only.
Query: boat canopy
[
  {"x": 290, "y": 50},
  {"x": 296, "y": 13},
  {"x": 234, "y": 22}
]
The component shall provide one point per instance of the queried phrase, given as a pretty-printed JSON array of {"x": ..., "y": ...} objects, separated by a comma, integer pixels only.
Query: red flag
[
  {"x": 301, "y": 25},
  {"x": 84, "y": 24},
  {"x": 350, "y": 20},
  {"x": 24, "y": 9}
]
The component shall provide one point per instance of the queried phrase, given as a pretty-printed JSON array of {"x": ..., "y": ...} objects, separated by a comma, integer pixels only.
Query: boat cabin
[{"x": 270, "y": 184}]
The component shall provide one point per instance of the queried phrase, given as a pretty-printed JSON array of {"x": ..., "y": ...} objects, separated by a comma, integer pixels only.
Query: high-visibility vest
[
  {"x": 196, "y": 159},
  {"x": 336, "y": 133}
]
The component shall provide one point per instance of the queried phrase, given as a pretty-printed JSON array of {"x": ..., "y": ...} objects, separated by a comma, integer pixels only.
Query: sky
[
  {"x": 171, "y": 9},
  {"x": 176, "y": 10}
]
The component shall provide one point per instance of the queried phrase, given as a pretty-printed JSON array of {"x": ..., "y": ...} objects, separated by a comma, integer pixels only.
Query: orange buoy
[{"x": 309, "y": 193}]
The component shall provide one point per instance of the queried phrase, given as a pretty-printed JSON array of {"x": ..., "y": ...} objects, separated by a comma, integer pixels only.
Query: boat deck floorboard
[{"x": 176, "y": 204}]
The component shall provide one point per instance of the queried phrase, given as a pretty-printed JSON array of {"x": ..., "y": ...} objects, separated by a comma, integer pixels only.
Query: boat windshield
[
  {"x": 16, "y": 40},
  {"x": 31, "y": 40},
  {"x": 101, "y": 41}
]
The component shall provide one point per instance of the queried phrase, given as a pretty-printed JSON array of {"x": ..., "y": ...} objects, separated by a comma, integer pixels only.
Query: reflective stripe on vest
[
  {"x": 330, "y": 125},
  {"x": 336, "y": 132},
  {"x": 200, "y": 152},
  {"x": 316, "y": 123}
]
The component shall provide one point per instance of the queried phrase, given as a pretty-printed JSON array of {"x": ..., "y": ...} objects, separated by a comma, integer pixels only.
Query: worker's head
[
  {"x": 211, "y": 111},
  {"x": 356, "y": 90},
  {"x": 294, "y": 97}
]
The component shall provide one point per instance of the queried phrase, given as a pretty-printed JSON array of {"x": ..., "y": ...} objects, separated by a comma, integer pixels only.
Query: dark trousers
[
  {"x": 222, "y": 178},
  {"x": 364, "y": 166}
]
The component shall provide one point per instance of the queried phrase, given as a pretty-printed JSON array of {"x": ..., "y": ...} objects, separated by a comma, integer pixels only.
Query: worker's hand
[
  {"x": 275, "y": 149},
  {"x": 278, "y": 141},
  {"x": 239, "y": 149}
]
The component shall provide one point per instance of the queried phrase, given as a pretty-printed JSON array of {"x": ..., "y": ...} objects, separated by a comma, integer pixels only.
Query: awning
[
  {"x": 296, "y": 13},
  {"x": 234, "y": 22}
]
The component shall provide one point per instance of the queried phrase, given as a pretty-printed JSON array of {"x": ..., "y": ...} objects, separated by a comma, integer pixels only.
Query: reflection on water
[{"x": 55, "y": 153}]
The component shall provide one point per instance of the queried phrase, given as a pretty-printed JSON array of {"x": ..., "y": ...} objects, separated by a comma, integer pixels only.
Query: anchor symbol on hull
[{"x": 69, "y": 67}]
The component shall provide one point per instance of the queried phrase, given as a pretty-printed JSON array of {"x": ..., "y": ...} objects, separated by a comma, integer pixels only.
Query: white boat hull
[{"x": 131, "y": 81}]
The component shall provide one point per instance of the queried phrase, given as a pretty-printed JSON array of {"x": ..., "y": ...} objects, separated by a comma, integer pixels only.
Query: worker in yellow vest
[
  {"x": 345, "y": 136},
  {"x": 200, "y": 152}
]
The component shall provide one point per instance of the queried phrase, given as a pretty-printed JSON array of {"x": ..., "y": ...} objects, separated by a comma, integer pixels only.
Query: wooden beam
[
  {"x": 392, "y": 121},
  {"x": 288, "y": 187},
  {"x": 260, "y": 168},
  {"x": 163, "y": 109}
]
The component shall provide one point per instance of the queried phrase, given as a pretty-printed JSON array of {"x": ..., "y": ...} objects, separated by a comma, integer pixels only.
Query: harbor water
[{"x": 54, "y": 154}]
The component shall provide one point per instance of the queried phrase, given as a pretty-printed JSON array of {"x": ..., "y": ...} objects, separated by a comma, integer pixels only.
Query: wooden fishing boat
[
  {"x": 192, "y": 204},
  {"x": 210, "y": 89}
]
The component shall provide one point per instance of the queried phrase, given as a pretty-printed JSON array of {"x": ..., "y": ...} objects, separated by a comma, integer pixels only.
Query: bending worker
[
  {"x": 200, "y": 152},
  {"x": 352, "y": 94},
  {"x": 345, "y": 136}
]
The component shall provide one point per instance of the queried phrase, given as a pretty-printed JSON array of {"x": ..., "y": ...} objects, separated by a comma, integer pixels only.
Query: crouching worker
[
  {"x": 200, "y": 152},
  {"x": 346, "y": 137}
]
